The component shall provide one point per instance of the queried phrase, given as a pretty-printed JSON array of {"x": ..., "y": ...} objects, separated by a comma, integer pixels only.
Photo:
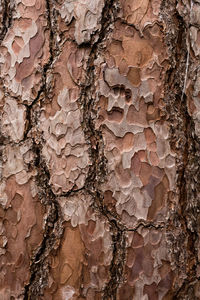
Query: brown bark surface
[{"x": 100, "y": 149}]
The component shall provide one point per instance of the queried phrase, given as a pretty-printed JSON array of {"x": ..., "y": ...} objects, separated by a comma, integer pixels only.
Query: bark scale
[{"x": 99, "y": 133}]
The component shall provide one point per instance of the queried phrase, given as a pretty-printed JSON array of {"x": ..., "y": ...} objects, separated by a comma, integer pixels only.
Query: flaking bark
[{"x": 99, "y": 149}]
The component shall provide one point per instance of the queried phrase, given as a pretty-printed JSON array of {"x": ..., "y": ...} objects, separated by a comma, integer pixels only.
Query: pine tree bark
[{"x": 99, "y": 146}]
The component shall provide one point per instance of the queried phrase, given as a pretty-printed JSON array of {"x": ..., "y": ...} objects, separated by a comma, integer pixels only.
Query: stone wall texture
[{"x": 99, "y": 149}]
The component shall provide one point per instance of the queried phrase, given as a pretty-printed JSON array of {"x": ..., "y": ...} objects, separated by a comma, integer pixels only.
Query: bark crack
[
  {"x": 53, "y": 228},
  {"x": 43, "y": 92},
  {"x": 52, "y": 232},
  {"x": 7, "y": 18},
  {"x": 98, "y": 170},
  {"x": 182, "y": 226}
]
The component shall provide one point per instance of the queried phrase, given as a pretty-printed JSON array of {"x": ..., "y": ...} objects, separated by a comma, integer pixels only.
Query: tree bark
[{"x": 100, "y": 149}]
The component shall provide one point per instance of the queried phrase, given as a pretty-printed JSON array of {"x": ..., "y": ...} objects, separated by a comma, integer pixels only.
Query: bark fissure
[
  {"x": 43, "y": 91},
  {"x": 183, "y": 219},
  {"x": 97, "y": 171},
  {"x": 7, "y": 18},
  {"x": 53, "y": 230}
]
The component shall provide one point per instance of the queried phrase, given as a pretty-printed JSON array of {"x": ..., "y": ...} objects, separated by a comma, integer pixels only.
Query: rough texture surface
[{"x": 99, "y": 146}]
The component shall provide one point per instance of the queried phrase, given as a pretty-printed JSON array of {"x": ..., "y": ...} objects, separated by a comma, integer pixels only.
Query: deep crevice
[
  {"x": 43, "y": 92},
  {"x": 182, "y": 227},
  {"x": 97, "y": 170},
  {"x": 53, "y": 230},
  {"x": 7, "y": 18}
]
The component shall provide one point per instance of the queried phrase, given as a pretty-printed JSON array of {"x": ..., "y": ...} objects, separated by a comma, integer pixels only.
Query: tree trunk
[{"x": 100, "y": 149}]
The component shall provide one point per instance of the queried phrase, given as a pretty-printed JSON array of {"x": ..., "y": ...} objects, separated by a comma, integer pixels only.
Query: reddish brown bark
[{"x": 99, "y": 133}]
